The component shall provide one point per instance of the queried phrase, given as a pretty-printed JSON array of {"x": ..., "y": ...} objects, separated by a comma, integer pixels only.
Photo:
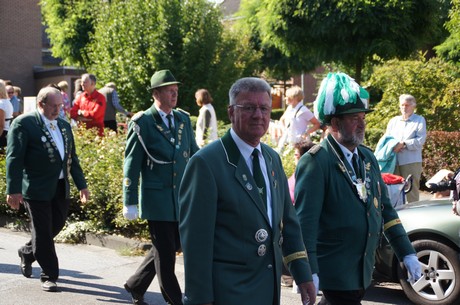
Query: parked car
[{"x": 435, "y": 234}]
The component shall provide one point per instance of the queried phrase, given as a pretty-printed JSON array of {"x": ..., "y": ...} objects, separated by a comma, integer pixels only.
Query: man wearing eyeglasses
[
  {"x": 237, "y": 223},
  {"x": 13, "y": 100},
  {"x": 40, "y": 157}
]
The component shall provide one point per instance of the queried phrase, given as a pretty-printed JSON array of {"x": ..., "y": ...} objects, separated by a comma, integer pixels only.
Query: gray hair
[
  {"x": 45, "y": 92},
  {"x": 92, "y": 77},
  {"x": 248, "y": 84},
  {"x": 407, "y": 97}
]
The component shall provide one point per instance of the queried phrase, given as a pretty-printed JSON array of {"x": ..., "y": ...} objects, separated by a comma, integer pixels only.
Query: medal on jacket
[{"x": 361, "y": 189}]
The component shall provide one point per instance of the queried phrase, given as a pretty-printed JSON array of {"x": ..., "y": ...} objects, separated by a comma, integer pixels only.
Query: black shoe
[
  {"x": 138, "y": 299},
  {"x": 49, "y": 286},
  {"x": 26, "y": 267}
]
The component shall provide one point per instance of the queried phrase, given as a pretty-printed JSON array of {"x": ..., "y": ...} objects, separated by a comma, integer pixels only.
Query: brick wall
[{"x": 21, "y": 41}]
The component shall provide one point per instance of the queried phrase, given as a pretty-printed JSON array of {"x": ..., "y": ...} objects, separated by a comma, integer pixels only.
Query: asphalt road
[{"x": 95, "y": 275}]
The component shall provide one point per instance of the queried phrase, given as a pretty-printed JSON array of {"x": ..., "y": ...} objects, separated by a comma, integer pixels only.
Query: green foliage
[
  {"x": 133, "y": 39},
  {"x": 431, "y": 82},
  {"x": 350, "y": 32},
  {"x": 449, "y": 50},
  {"x": 441, "y": 151},
  {"x": 69, "y": 24}
]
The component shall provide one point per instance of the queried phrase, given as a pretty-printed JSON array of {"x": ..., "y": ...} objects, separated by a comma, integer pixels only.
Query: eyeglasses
[
  {"x": 252, "y": 108},
  {"x": 10, "y": 92}
]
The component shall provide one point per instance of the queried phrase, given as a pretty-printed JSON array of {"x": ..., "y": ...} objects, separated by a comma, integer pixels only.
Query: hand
[
  {"x": 413, "y": 267},
  {"x": 456, "y": 208},
  {"x": 84, "y": 195},
  {"x": 308, "y": 293},
  {"x": 14, "y": 200},
  {"x": 398, "y": 147},
  {"x": 130, "y": 212}
]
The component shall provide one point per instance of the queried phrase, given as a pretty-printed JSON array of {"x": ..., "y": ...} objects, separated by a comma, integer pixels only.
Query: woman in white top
[
  {"x": 297, "y": 118},
  {"x": 206, "y": 125},
  {"x": 6, "y": 114}
]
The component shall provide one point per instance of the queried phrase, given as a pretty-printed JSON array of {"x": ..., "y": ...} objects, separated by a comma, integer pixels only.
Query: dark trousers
[
  {"x": 337, "y": 297},
  {"x": 112, "y": 124},
  {"x": 47, "y": 220},
  {"x": 161, "y": 260}
]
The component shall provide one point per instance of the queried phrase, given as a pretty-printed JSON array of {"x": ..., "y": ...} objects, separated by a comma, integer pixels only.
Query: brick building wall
[{"x": 21, "y": 42}]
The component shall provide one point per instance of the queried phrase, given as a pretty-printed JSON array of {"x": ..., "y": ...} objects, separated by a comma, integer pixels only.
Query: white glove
[
  {"x": 295, "y": 288},
  {"x": 316, "y": 281},
  {"x": 130, "y": 212},
  {"x": 413, "y": 267}
]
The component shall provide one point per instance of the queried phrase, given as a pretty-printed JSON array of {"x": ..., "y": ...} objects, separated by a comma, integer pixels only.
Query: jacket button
[{"x": 269, "y": 266}]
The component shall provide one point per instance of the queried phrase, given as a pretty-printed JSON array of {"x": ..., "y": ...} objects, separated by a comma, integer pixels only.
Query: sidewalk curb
[{"x": 100, "y": 240}]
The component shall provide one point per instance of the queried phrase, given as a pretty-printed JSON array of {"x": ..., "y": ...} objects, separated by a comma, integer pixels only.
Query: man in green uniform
[
  {"x": 342, "y": 201},
  {"x": 237, "y": 222},
  {"x": 160, "y": 143},
  {"x": 40, "y": 159}
]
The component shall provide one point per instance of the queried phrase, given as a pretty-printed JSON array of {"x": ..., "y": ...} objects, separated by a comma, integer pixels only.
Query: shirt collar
[{"x": 244, "y": 148}]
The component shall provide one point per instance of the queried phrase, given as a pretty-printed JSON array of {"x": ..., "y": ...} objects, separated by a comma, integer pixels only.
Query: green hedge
[{"x": 102, "y": 162}]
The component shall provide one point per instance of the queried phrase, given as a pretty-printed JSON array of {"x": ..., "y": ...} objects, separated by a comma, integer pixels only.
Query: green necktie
[
  {"x": 356, "y": 168},
  {"x": 258, "y": 176},
  {"x": 170, "y": 123}
]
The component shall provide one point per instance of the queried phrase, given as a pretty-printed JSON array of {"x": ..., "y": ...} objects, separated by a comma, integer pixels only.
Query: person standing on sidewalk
[
  {"x": 409, "y": 129},
  {"x": 237, "y": 221},
  {"x": 160, "y": 143},
  {"x": 40, "y": 156}
]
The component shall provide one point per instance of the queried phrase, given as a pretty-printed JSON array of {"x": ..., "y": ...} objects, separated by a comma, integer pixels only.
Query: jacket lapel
[
  {"x": 242, "y": 173},
  {"x": 161, "y": 126}
]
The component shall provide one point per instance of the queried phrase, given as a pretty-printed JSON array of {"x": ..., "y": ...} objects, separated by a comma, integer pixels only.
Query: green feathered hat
[{"x": 339, "y": 94}]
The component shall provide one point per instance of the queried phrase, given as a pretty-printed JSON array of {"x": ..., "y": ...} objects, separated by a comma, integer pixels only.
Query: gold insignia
[
  {"x": 376, "y": 202},
  {"x": 127, "y": 182},
  {"x": 392, "y": 223},
  {"x": 294, "y": 256}
]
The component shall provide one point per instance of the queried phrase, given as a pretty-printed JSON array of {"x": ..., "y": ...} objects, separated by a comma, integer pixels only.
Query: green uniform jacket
[
  {"x": 340, "y": 231},
  {"x": 33, "y": 162},
  {"x": 162, "y": 171},
  {"x": 231, "y": 253}
]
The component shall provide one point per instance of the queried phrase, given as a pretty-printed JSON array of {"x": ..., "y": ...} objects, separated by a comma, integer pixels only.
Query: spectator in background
[
  {"x": 296, "y": 119},
  {"x": 77, "y": 90},
  {"x": 89, "y": 107},
  {"x": 6, "y": 115},
  {"x": 65, "y": 110},
  {"x": 410, "y": 130},
  {"x": 18, "y": 94},
  {"x": 109, "y": 91},
  {"x": 206, "y": 124},
  {"x": 300, "y": 148},
  {"x": 13, "y": 100}
]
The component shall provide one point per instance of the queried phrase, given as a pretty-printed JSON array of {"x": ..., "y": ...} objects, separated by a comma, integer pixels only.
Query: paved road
[{"x": 95, "y": 275}]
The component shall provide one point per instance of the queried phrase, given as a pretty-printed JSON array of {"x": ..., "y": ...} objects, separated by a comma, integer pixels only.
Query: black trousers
[
  {"x": 161, "y": 261},
  {"x": 47, "y": 220},
  {"x": 338, "y": 297},
  {"x": 112, "y": 124}
]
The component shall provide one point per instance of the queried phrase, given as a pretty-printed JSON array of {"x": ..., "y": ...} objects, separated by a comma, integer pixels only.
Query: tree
[
  {"x": 450, "y": 48},
  {"x": 350, "y": 32},
  {"x": 433, "y": 83},
  {"x": 69, "y": 24}
]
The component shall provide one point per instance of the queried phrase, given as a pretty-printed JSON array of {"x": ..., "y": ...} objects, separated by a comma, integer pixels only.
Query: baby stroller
[{"x": 397, "y": 187}]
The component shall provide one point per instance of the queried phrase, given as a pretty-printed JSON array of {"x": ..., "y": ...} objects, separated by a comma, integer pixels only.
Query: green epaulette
[
  {"x": 314, "y": 149},
  {"x": 183, "y": 111},
  {"x": 137, "y": 116}
]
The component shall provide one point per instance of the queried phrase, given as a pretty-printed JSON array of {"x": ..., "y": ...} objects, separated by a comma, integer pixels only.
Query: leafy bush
[
  {"x": 102, "y": 163},
  {"x": 433, "y": 83},
  {"x": 440, "y": 151}
]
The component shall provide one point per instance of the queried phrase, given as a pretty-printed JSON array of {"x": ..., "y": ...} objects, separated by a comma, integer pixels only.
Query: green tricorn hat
[
  {"x": 339, "y": 94},
  {"x": 162, "y": 78}
]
